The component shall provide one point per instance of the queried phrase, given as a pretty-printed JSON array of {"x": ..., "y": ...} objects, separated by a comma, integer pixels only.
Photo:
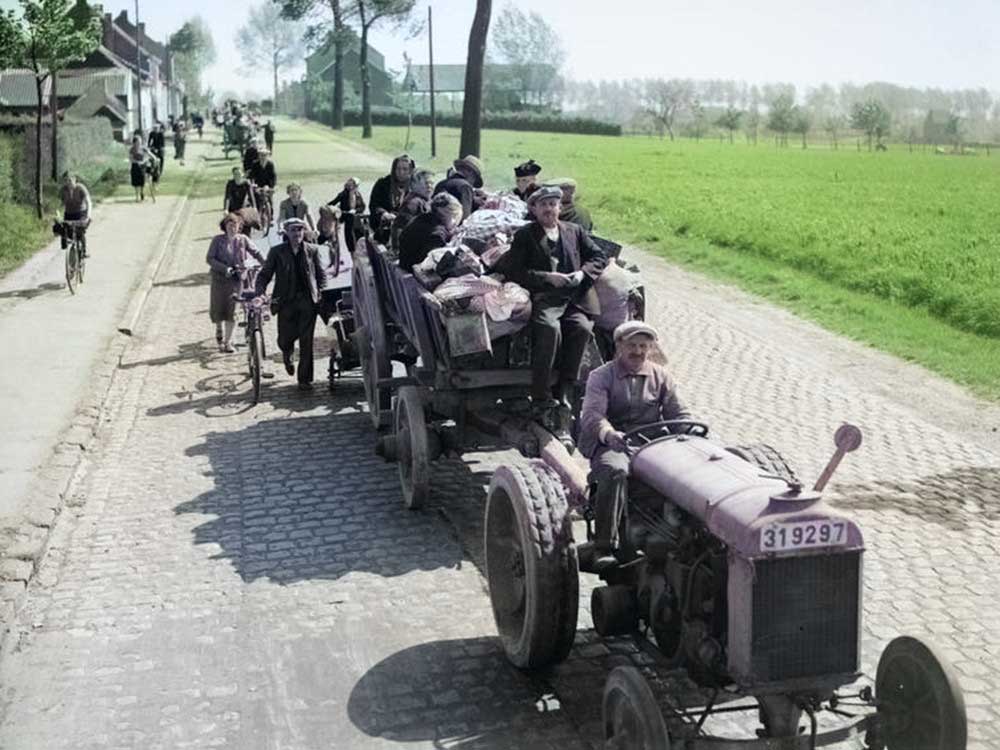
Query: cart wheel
[
  {"x": 411, "y": 442},
  {"x": 531, "y": 565},
  {"x": 632, "y": 719},
  {"x": 373, "y": 353},
  {"x": 919, "y": 699}
]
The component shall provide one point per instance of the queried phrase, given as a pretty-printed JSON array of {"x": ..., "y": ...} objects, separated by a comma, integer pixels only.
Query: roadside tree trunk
[
  {"x": 274, "y": 70},
  {"x": 54, "y": 108},
  {"x": 39, "y": 83},
  {"x": 472, "y": 107},
  {"x": 366, "y": 104}
]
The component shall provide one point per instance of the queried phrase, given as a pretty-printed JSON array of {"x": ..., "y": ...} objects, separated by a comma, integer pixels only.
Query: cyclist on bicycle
[
  {"x": 76, "y": 207},
  {"x": 263, "y": 177}
]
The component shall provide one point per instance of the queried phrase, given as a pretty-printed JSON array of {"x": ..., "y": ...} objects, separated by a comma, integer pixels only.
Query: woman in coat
[
  {"x": 429, "y": 231},
  {"x": 387, "y": 196},
  {"x": 351, "y": 204},
  {"x": 227, "y": 257}
]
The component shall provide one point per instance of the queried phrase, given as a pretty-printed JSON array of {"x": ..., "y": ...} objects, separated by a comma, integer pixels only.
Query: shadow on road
[
  {"x": 191, "y": 280},
  {"x": 305, "y": 497},
  {"x": 953, "y": 500},
  {"x": 38, "y": 291}
]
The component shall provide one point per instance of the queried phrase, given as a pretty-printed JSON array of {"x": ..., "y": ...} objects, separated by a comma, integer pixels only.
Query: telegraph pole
[
  {"x": 430, "y": 45},
  {"x": 138, "y": 65}
]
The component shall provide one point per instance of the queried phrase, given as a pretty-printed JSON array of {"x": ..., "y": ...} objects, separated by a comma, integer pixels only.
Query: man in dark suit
[
  {"x": 157, "y": 143},
  {"x": 557, "y": 262},
  {"x": 298, "y": 281}
]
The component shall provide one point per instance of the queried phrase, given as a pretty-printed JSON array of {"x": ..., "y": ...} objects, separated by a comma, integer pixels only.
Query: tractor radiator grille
[{"x": 805, "y": 616}]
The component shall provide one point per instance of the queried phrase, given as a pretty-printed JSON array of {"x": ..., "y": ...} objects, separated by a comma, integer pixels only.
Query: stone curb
[{"x": 23, "y": 548}]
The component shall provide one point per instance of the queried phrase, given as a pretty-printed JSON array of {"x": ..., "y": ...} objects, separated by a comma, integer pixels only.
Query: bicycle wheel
[
  {"x": 81, "y": 266},
  {"x": 256, "y": 357},
  {"x": 265, "y": 217},
  {"x": 72, "y": 265}
]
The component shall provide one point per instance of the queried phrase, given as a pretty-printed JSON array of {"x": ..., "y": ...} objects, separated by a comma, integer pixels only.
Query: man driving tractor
[{"x": 621, "y": 395}]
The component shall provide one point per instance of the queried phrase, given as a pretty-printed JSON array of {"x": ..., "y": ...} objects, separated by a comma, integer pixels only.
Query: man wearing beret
[
  {"x": 526, "y": 176},
  {"x": 557, "y": 262},
  {"x": 627, "y": 392},
  {"x": 298, "y": 281}
]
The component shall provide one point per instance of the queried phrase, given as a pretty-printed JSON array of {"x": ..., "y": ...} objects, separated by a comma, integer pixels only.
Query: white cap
[{"x": 634, "y": 327}]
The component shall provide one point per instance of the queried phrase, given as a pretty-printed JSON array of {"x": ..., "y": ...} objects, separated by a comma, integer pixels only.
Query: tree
[
  {"x": 698, "y": 120},
  {"x": 193, "y": 50},
  {"x": 873, "y": 119},
  {"x": 46, "y": 40},
  {"x": 833, "y": 125},
  {"x": 339, "y": 35},
  {"x": 801, "y": 123},
  {"x": 371, "y": 12},
  {"x": 472, "y": 109},
  {"x": 532, "y": 51},
  {"x": 664, "y": 100},
  {"x": 730, "y": 120},
  {"x": 953, "y": 129},
  {"x": 270, "y": 40},
  {"x": 781, "y": 116}
]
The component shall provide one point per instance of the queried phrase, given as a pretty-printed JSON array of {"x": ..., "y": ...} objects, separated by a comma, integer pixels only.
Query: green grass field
[{"x": 900, "y": 250}]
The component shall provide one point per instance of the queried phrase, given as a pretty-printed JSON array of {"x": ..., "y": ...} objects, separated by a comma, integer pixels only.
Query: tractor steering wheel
[{"x": 667, "y": 428}]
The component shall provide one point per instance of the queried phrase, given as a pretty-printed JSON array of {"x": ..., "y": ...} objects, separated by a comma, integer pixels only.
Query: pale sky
[{"x": 909, "y": 42}]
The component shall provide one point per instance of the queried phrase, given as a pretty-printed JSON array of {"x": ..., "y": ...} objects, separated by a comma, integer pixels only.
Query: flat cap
[
  {"x": 544, "y": 192},
  {"x": 293, "y": 222},
  {"x": 632, "y": 328}
]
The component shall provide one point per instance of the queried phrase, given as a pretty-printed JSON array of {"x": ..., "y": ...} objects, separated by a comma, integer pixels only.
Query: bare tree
[
  {"x": 531, "y": 50},
  {"x": 472, "y": 107},
  {"x": 269, "y": 40},
  {"x": 664, "y": 100}
]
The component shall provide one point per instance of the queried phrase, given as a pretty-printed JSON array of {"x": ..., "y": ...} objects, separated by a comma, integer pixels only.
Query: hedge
[
  {"x": 525, "y": 121},
  {"x": 7, "y": 156}
]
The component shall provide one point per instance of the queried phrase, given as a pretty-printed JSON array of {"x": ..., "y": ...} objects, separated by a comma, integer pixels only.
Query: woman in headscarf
[
  {"x": 429, "y": 231},
  {"x": 137, "y": 156},
  {"x": 387, "y": 196},
  {"x": 416, "y": 201},
  {"x": 227, "y": 257}
]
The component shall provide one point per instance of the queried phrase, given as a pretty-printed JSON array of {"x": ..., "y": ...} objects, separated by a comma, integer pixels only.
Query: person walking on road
[
  {"x": 137, "y": 156},
  {"x": 180, "y": 140},
  {"x": 227, "y": 257},
  {"x": 157, "y": 143},
  {"x": 269, "y": 136},
  {"x": 298, "y": 281}
]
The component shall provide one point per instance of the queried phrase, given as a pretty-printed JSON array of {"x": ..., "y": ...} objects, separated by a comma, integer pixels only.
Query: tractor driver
[{"x": 628, "y": 392}]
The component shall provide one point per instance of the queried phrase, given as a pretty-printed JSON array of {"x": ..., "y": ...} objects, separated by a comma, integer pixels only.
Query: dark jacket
[
  {"x": 461, "y": 189},
  {"x": 157, "y": 141},
  {"x": 263, "y": 175},
  {"x": 386, "y": 196},
  {"x": 420, "y": 236},
  {"x": 250, "y": 154},
  {"x": 414, "y": 204},
  {"x": 237, "y": 195},
  {"x": 528, "y": 262},
  {"x": 280, "y": 264},
  {"x": 343, "y": 202}
]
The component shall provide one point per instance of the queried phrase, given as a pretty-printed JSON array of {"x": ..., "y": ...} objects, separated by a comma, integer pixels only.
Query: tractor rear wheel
[
  {"x": 766, "y": 458},
  {"x": 531, "y": 565}
]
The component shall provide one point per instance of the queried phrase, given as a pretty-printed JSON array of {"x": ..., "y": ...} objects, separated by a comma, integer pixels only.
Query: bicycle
[
  {"x": 76, "y": 258},
  {"x": 265, "y": 207},
  {"x": 256, "y": 311}
]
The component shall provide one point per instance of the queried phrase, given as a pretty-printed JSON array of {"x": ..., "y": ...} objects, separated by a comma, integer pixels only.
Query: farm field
[{"x": 900, "y": 250}]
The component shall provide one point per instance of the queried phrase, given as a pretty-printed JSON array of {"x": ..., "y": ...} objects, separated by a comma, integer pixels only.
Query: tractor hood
[{"x": 752, "y": 512}]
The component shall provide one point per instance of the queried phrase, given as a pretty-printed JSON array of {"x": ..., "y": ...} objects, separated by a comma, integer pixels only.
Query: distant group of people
[{"x": 147, "y": 153}]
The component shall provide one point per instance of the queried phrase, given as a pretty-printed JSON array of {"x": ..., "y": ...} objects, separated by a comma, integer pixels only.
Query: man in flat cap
[
  {"x": 627, "y": 392},
  {"x": 557, "y": 262},
  {"x": 298, "y": 281},
  {"x": 526, "y": 176}
]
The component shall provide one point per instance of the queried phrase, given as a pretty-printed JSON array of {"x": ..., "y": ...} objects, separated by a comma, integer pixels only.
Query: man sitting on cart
[
  {"x": 627, "y": 392},
  {"x": 557, "y": 262}
]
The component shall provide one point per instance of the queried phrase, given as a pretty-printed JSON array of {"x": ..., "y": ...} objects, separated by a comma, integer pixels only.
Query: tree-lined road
[{"x": 236, "y": 576}]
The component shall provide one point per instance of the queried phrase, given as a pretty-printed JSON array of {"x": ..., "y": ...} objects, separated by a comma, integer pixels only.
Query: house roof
[
  {"x": 115, "y": 81},
  {"x": 98, "y": 99},
  {"x": 322, "y": 59},
  {"x": 17, "y": 88}
]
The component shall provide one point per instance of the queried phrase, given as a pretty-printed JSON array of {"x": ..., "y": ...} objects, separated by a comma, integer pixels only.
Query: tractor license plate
[{"x": 802, "y": 535}]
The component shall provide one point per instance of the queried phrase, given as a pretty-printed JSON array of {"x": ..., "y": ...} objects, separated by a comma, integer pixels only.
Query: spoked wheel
[
  {"x": 412, "y": 446},
  {"x": 531, "y": 565},
  {"x": 919, "y": 699},
  {"x": 256, "y": 358},
  {"x": 632, "y": 719},
  {"x": 72, "y": 263},
  {"x": 370, "y": 340},
  {"x": 81, "y": 265}
]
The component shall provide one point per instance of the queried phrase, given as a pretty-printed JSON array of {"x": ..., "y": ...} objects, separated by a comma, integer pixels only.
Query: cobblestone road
[{"x": 246, "y": 577}]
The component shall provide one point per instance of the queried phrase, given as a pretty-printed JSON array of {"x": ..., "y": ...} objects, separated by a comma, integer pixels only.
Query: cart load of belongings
[{"x": 478, "y": 307}]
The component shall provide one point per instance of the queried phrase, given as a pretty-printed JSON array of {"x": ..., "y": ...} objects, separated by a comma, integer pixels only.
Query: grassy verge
[{"x": 894, "y": 252}]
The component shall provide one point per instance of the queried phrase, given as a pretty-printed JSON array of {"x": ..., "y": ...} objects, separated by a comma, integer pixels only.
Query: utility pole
[
  {"x": 430, "y": 45},
  {"x": 138, "y": 65}
]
